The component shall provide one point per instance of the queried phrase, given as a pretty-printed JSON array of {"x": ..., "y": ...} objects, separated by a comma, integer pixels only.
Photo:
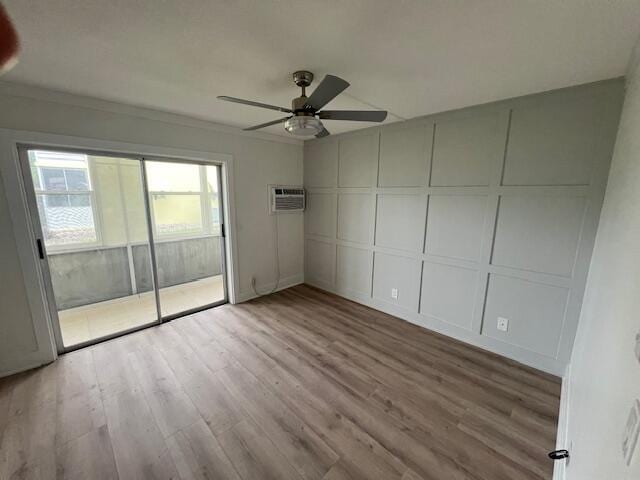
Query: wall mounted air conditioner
[{"x": 286, "y": 199}]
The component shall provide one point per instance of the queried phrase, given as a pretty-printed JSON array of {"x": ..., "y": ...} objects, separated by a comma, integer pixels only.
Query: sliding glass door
[
  {"x": 124, "y": 242},
  {"x": 187, "y": 234},
  {"x": 91, "y": 214}
]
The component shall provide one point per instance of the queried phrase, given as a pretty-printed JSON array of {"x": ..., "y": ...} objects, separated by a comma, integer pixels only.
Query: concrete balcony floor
[{"x": 97, "y": 320}]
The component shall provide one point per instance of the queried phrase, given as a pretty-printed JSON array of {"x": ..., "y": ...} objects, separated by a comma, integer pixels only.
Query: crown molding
[{"x": 54, "y": 96}]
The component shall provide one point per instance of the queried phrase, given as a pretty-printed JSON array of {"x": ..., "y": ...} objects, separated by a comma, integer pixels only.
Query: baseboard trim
[
  {"x": 286, "y": 282},
  {"x": 521, "y": 355}
]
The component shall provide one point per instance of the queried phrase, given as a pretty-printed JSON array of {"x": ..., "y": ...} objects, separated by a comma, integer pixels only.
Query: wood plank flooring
[{"x": 297, "y": 385}]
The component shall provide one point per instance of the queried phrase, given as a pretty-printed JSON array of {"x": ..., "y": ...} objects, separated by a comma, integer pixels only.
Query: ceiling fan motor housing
[
  {"x": 302, "y": 78},
  {"x": 298, "y": 106}
]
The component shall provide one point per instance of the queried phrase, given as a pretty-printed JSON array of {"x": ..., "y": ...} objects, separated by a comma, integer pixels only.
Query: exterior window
[
  {"x": 65, "y": 198},
  {"x": 180, "y": 195}
]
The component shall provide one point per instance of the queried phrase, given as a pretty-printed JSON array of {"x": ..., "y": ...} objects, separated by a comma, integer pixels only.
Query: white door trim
[{"x": 562, "y": 436}]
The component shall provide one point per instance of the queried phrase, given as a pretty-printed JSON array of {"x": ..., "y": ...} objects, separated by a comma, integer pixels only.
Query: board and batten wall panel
[
  {"x": 467, "y": 216},
  {"x": 465, "y": 150},
  {"x": 320, "y": 258},
  {"x": 449, "y": 292},
  {"x": 399, "y": 273},
  {"x": 355, "y": 222},
  {"x": 404, "y": 155},
  {"x": 357, "y": 161},
  {"x": 400, "y": 221},
  {"x": 320, "y": 216},
  {"x": 354, "y": 269},
  {"x": 456, "y": 225}
]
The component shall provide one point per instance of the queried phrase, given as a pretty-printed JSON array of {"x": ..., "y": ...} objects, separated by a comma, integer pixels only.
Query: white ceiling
[{"x": 411, "y": 57}]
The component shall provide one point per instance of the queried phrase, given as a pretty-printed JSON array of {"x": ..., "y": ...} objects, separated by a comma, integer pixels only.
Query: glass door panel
[
  {"x": 184, "y": 199},
  {"x": 92, "y": 219}
]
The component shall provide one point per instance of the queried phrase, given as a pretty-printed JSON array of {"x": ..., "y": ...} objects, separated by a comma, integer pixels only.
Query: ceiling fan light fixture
[
  {"x": 303, "y": 126},
  {"x": 306, "y": 112}
]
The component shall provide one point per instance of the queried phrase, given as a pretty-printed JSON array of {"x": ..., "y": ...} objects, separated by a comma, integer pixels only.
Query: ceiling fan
[{"x": 306, "y": 111}]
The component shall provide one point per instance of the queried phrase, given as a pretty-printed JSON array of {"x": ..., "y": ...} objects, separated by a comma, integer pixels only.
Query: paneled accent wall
[{"x": 454, "y": 220}]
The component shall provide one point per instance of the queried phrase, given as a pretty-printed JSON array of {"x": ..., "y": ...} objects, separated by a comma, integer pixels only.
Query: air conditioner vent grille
[
  {"x": 287, "y": 199},
  {"x": 289, "y": 203}
]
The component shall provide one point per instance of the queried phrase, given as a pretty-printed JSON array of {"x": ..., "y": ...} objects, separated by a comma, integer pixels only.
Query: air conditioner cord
[{"x": 275, "y": 287}]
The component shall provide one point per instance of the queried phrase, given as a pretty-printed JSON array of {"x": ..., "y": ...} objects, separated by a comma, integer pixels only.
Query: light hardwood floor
[{"x": 297, "y": 385}]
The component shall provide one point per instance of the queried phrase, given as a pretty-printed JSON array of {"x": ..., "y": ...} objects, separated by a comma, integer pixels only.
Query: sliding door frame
[
  {"x": 36, "y": 277},
  {"x": 36, "y": 224},
  {"x": 150, "y": 221},
  {"x": 30, "y": 195}
]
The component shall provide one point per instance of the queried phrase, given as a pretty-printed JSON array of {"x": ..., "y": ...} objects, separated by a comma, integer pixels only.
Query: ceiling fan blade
[
  {"x": 254, "y": 104},
  {"x": 356, "y": 115},
  {"x": 328, "y": 89},
  {"x": 273, "y": 122},
  {"x": 323, "y": 133}
]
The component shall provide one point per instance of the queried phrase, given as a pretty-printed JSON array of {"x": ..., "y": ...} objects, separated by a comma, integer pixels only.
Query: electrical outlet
[
  {"x": 503, "y": 324},
  {"x": 394, "y": 293}
]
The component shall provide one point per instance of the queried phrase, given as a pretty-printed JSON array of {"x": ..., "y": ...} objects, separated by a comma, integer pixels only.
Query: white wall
[
  {"x": 471, "y": 215},
  {"x": 605, "y": 376},
  {"x": 259, "y": 160}
]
